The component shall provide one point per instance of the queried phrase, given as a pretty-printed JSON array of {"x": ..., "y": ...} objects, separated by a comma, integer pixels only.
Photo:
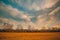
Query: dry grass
[{"x": 30, "y": 36}]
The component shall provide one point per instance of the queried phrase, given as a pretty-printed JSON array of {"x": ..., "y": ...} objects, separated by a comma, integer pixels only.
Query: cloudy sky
[{"x": 34, "y": 13}]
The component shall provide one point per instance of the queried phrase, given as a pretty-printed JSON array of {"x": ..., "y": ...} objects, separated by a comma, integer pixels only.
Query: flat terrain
[{"x": 30, "y": 36}]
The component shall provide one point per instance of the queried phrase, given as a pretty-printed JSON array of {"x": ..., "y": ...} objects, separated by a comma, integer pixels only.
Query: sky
[{"x": 34, "y": 13}]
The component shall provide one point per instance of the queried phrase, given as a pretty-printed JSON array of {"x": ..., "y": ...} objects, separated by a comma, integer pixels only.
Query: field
[{"x": 30, "y": 36}]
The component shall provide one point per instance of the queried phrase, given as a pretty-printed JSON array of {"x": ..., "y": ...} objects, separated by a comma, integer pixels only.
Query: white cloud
[
  {"x": 36, "y": 7},
  {"x": 14, "y": 11},
  {"x": 41, "y": 19},
  {"x": 50, "y": 20},
  {"x": 54, "y": 11},
  {"x": 36, "y": 4},
  {"x": 49, "y": 3},
  {"x": 10, "y": 23},
  {"x": 15, "y": 24}
]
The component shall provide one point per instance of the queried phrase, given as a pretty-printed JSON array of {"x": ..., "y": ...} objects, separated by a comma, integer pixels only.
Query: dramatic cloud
[
  {"x": 49, "y": 20},
  {"x": 54, "y": 11},
  {"x": 8, "y": 23},
  {"x": 12, "y": 24},
  {"x": 42, "y": 4},
  {"x": 30, "y": 14},
  {"x": 49, "y": 3},
  {"x": 36, "y": 4},
  {"x": 14, "y": 12}
]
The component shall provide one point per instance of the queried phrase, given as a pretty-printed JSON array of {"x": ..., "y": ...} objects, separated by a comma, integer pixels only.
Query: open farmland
[{"x": 29, "y": 35}]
